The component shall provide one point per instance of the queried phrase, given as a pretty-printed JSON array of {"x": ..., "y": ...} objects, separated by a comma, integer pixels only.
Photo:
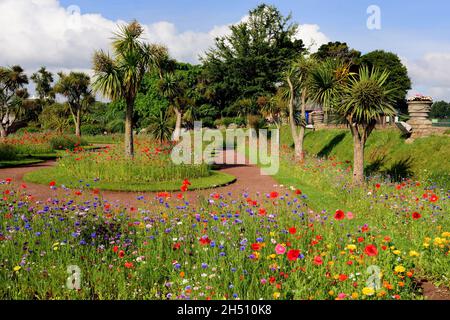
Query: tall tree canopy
[
  {"x": 43, "y": 80},
  {"x": 337, "y": 50},
  {"x": 440, "y": 109},
  {"x": 12, "y": 95},
  {"x": 398, "y": 79},
  {"x": 75, "y": 88},
  {"x": 249, "y": 62}
]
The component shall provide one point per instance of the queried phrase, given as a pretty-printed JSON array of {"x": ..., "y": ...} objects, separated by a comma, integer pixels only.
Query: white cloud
[
  {"x": 311, "y": 36},
  {"x": 431, "y": 75},
  {"x": 42, "y": 32}
]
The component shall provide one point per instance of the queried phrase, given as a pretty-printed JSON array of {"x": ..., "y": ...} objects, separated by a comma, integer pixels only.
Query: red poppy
[
  {"x": 184, "y": 188},
  {"x": 204, "y": 241},
  {"x": 416, "y": 215},
  {"x": 23, "y": 186},
  {"x": 365, "y": 228},
  {"x": 115, "y": 249},
  {"x": 180, "y": 196},
  {"x": 129, "y": 265},
  {"x": 176, "y": 246},
  {"x": 417, "y": 184},
  {"x": 383, "y": 248},
  {"x": 52, "y": 183},
  {"x": 378, "y": 186},
  {"x": 425, "y": 195},
  {"x": 216, "y": 196},
  {"x": 272, "y": 280},
  {"x": 96, "y": 191},
  {"x": 121, "y": 254},
  {"x": 398, "y": 187},
  {"x": 292, "y": 230},
  {"x": 343, "y": 277},
  {"x": 350, "y": 262},
  {"x": 371, "y": 250},
  {"x": 274, "y": 195},
  {"x": 7, "y": 192},
  {"x": 186, "y": 182},
  {"x": 434, "y": 198},
  {"x": 318, "y": 260},
  {"x": 255, "y": 246},
  {"x": 8, "y": 180},
  {"x": 339, "y": 215},
  {"x": 360, "y": 239},
  {"x": 78, "y": 193},
  {"x": 298, "y": 192},
  {"x": 293, "y": 254},
  {"x": 262, "y": 212}
]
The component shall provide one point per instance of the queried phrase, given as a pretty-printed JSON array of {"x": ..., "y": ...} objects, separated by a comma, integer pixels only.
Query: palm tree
[
  {"x": 361, "y": 99},
  {"x": 12, "y": 94},
  {"x": 160, "y": 127},
  {"x": 75, "y": 88},
  {"x": 297, "y": 78},
  {"x": 365, "y": 100},
  {"x": 172, "y": 88},
  {"x": 120, "y": 77}
]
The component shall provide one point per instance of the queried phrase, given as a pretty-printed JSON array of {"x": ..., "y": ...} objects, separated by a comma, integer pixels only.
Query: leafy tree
[
  {"x": 339, "y": 51},
  {"x": 173, "y": 88},
  {"x": 55, "y": 117},
  {"x": 440, "y": 109},
  {"x": 75, "y": 88},
  {"x": 398, "y": 79},
  {"x": 120, "y": 77},
  {"x": 249, "y": 62},
  {"x": 12, "y": 95},
  {"x": 43, "y": 80},
  {"x": 160, "y": 126},
  {"x": 297, "y": 78},
  {"x": 361, "y": 99}
]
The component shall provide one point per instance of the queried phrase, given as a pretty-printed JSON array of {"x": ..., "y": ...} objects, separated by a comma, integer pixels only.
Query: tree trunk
[
  {"x": 78, "y": 123},
  {"x": 302, "y": 127},
  {"x": 3, "y": 132},
  {"x": 177, "y": 133},
  {"x": 129, "y": 145},
  {"x": 358, "y": 160},
  {"x": 295, "y": 137}
]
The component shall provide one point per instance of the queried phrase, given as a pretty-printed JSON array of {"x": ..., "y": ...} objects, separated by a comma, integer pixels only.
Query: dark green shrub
[
  {"x": 7, "y": 152},
  {"x": 92, "y": 129}
]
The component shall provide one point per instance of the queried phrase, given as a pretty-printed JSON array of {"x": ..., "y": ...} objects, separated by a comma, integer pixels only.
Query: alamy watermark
[
  {"x": 374, "y": 19},
  {"x": 232, "y": 146}
]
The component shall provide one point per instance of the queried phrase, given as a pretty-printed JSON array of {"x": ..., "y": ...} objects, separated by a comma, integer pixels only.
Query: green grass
[
  {"x": 45, "y": 176},
  {"x": 18, "y": 163},
  {"x": 386, "y": 153}
]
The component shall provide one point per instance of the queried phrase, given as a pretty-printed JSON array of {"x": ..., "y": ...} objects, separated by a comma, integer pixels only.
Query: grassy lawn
[
  {"x": 45, "y": 176},
  {"x": 18, "y": 163}
]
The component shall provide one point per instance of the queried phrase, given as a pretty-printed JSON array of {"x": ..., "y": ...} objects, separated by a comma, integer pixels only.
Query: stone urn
[
  {"x": 317, "y": 118},
  {"x": 419, "y": 108}
]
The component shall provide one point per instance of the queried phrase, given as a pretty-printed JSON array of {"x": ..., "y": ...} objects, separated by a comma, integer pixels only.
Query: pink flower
[
  {"x": 350, "y": 215},
  {"x": 342, "y": 296},
  {"x": 280, "y": 249}
]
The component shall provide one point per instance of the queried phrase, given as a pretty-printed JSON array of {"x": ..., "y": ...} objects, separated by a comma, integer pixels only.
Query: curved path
[{"x": 248, "y": 179}]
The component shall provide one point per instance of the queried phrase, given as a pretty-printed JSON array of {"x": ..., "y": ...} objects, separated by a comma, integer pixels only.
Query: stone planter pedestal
[{"x": 419, "y": 121}]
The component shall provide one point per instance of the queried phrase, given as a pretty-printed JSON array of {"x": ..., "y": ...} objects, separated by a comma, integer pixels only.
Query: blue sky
[
  {"x": 402, "y": 20},
  {"x": 44, "y": 32}
]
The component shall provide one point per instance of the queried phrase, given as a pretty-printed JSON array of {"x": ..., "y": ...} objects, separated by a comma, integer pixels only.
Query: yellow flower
[
  {"x": 351, "y": 247},
  {"x": 367, "y": 291},
  {"x": 342, "y": 253},
  {"x": 413, "y": 253},
  {"x": 272, "y": 256},
  {"x": 438, "y": 241},
  {"x": 331, "y": 293},
  {"x": 355, "y": 295},
  {"x": 426, "y": 245},
  {"x": 276, "y": 295},
  {"x": 397, "y": 252},
  {"x": 446, "y": 234},
  {"x": 328, "y": 246},
  {"x": 272, "y": 234},
  {"x": 399, "y": 269},
  {"x": 330, "y": 263},
  {"x": 17, "y": 268}
]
